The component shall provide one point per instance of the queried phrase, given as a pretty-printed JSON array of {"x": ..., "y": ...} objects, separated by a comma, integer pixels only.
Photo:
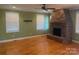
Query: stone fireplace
[{"x": 61, "y": 25}]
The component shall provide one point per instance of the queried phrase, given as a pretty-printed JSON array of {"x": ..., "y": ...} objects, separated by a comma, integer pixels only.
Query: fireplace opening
[{"x": 57, "y": 31}]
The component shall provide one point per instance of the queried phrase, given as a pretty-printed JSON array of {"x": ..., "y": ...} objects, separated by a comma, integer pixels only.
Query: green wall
[
  {"x": 26, "y": 28},
  {"x": 75, "y": 35}
]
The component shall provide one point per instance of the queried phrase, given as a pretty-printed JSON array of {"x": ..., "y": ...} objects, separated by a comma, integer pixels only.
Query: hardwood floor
[{"x": 38, "y": 46}]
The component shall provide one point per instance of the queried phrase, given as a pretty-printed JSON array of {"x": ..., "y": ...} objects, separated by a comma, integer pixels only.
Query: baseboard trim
[
  {"x": 75, "y": 41},
  {"x": 22, "y": 38}
]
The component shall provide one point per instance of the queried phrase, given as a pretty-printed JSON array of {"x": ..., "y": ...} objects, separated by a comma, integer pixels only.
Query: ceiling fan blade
[{"x": 51, "y": 8}]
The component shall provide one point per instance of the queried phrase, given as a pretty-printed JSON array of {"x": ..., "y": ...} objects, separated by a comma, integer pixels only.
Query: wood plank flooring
[{"x": 38, "y": 46}]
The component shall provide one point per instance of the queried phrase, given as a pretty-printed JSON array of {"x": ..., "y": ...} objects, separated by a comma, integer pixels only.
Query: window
[
  {"x": 77, "y": 22},
  {"x": 46, "y": 20},
  {"x": 12, "y": 22},
  {"x": 42, "y": 22}
]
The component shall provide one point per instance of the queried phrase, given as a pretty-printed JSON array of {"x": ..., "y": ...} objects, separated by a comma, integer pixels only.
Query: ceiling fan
[{"x": 45, "y": 8}]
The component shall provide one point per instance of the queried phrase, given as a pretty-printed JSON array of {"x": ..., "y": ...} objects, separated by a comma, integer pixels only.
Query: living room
[{"x": 39, "y": 29}]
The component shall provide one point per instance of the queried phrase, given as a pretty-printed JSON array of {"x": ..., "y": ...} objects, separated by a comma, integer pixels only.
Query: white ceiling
[
  {"x": 36, "y": 7},
  {"x": 24, "y": 7}
]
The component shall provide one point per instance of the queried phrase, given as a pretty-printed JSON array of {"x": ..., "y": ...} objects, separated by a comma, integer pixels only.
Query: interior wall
[
  {"x": 26, "y": 28},
  {"x": 75, "y": 35}
]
